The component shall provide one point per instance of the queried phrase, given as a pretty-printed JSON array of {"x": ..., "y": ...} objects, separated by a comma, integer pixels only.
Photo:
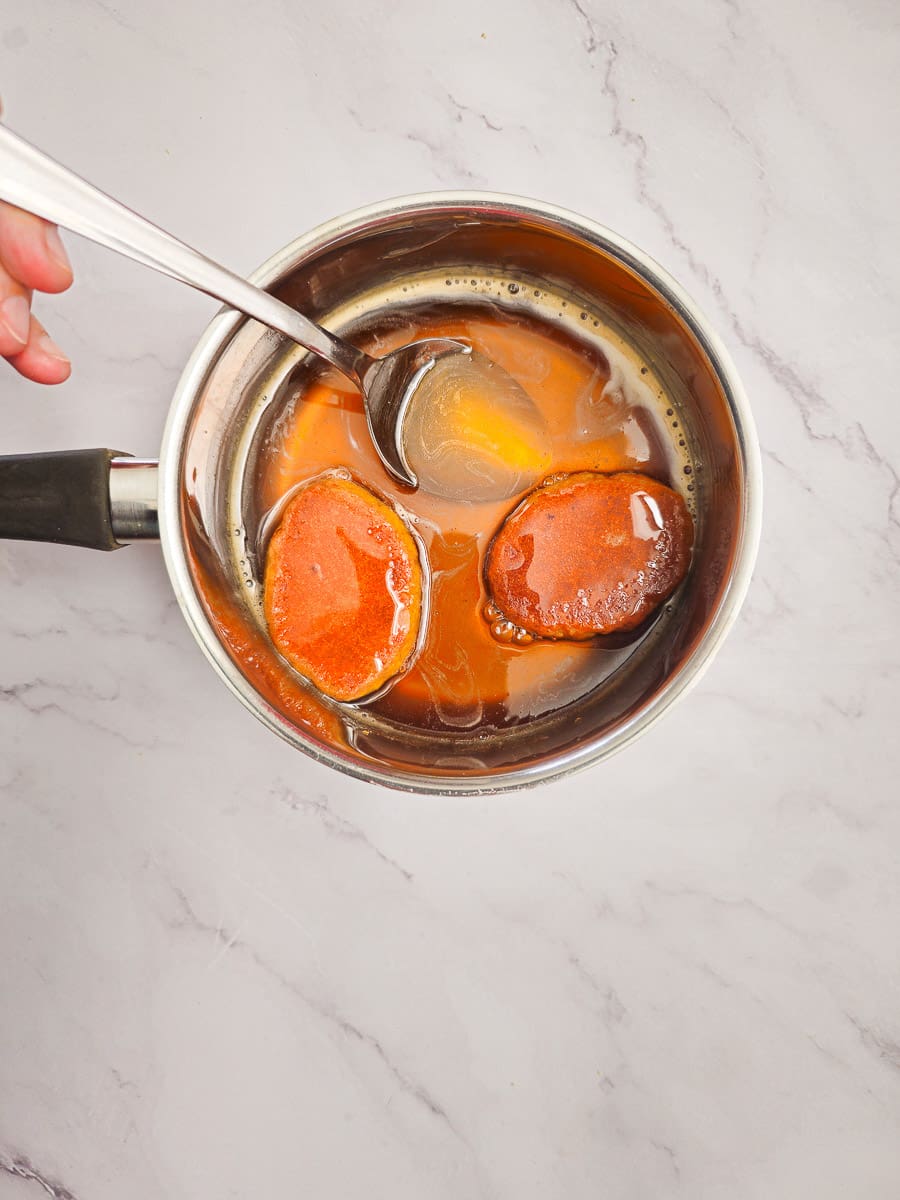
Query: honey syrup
[{"x": 605, "y": 410}]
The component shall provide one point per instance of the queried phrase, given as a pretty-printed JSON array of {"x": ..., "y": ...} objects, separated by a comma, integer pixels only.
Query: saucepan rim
[{"x": 361, "y": 220}]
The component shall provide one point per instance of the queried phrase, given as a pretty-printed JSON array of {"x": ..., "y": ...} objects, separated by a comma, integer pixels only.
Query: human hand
[{"x": 32, "y": 258}]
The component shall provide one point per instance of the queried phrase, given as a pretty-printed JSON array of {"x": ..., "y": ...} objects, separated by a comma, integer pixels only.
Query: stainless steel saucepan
[{"x": 345, "y": 275}]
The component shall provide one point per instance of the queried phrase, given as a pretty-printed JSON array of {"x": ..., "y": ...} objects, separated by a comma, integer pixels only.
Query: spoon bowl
[
  {"x": 390, "y": 386},
  {"x": 472, "y": 433}
]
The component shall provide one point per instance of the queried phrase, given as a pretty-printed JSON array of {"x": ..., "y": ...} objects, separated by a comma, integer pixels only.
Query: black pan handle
[{"x": 58, "y": 497}]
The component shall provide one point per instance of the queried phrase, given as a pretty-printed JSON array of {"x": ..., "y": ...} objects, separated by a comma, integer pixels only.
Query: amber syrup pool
[{"x": 606, "y": 411}]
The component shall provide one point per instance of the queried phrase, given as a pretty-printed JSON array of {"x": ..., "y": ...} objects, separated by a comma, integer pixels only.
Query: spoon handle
[{"x": 33, "y": 181}]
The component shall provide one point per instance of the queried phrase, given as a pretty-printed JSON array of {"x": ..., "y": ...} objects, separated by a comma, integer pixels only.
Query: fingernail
[
  {"x": 56, "y": 249},
  {"x": 47, "y": 346},
  {"x": 15, "y": 315}
]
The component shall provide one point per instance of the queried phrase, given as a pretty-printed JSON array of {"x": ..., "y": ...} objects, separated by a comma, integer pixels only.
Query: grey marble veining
[{"x": 228, "y": 971}]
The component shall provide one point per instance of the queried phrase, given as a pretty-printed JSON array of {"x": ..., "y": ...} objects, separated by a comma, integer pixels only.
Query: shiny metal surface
[
  {"x": 389, "y": 387},
  {"x": 133, "y": 499},
  {"x": 33, "y": 181},
  {"x": 224, "y": 386}
]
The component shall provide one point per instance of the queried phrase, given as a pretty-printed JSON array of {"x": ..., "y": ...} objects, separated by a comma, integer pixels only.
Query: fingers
[
  {"x": 23, "y": 340},
  {"x": 41, "y": 359},
  {"x": 32, "y": 257},
  {"x": 32, "y": 251},
  {"x": 15, "y": 315}
]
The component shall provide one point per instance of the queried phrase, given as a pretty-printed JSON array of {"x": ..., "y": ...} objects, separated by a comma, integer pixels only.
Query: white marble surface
[{"x": 228, "y": 972}]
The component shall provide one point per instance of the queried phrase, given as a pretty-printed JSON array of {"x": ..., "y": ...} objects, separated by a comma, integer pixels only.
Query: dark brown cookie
[{"x": 589, "y": 554}]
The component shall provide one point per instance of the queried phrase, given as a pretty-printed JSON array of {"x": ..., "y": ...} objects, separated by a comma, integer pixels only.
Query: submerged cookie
[
  {"x": 589, "y": 554},
  {"x": 343, "y": 588}
]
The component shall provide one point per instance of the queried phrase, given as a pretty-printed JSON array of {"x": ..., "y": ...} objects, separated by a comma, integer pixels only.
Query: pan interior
[{"x": 361, "y": 285}]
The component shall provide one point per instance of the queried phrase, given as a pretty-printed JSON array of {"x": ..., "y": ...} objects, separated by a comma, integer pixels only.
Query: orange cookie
[
  {"x": 589, "y": 554},
  {"x": 343, "y": 588}
]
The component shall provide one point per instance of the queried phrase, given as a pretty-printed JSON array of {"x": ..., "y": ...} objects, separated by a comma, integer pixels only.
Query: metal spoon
[{"x": 33, "y": 181}]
